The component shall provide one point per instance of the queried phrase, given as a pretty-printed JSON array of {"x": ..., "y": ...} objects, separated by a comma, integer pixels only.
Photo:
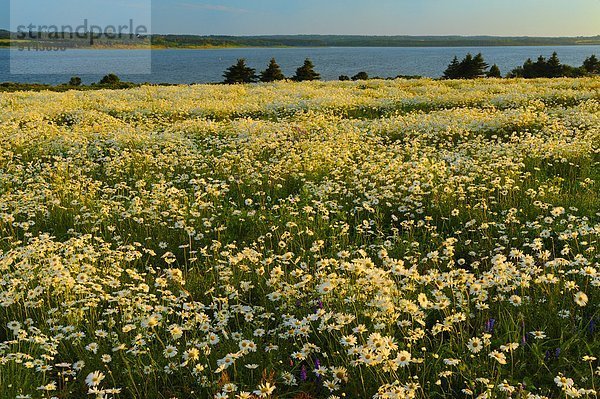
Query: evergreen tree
[
  {"x": 240, "y": 73},
  {"x": 478, "y": 67},
  {"x": 361, "y": 76},
  {"x": 547, "y": 68},
  {"x": 528, "y": 69},
  {"x": 573, "y": 72},
  {"x": 469, "y": 68},
  {"x": 494, "y": 72},
  {"x": 554, "y": 69},
  {"x": 306, "y": 72},
  {"x": 591, "y": 64},
  {"x": 453, "y": 70},
  {"x": 272, "y": 73},
  {"x": 466, "y": 69},
  {"x": 110, "y": 79},
  {"x": 75, "y": 81},
  {"x": 516, "y": 73},
  {"x": 540, "y": 68}
]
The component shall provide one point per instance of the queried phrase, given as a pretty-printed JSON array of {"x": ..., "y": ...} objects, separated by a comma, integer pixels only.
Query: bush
[
  {"x": 75, "y": 81},
  {"x": 361, "y": 76},
  {"x": 110, "y": 79}
]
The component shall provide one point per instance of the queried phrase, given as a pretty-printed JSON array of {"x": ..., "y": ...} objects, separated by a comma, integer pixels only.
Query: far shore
[{"x": 9, "y": 43}]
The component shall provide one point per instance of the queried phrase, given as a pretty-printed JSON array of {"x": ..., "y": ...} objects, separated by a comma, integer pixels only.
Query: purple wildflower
[
  {"x": 303, "y": 374},
  {"x": 320, "y": 304},
  {"x": 317, "y": 367},
  {"x": 489, "y": 326}
]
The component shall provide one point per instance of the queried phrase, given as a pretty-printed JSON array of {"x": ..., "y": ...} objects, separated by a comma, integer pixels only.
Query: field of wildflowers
[{"x": 382, "y": 239}]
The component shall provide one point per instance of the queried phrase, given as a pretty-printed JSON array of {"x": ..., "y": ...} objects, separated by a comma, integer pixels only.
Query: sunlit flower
[
  {"x": 94, "y": 379},
  {"x": 581, "y": 299}
]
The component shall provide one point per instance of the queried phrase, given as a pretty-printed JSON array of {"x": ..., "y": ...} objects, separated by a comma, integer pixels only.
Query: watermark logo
[
  {"x": 67, "y": 36},
  {"x": 86, "y": 38}
]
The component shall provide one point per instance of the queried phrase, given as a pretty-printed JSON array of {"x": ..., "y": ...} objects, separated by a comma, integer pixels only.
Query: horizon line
[{"x": 366, "y": 35}]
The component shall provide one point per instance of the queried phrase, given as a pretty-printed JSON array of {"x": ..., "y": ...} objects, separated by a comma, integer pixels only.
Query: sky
[{"x": 352, "y": 17}]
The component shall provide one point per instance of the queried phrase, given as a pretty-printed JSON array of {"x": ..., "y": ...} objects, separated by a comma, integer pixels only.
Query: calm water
[{"x": 201, "y": 66}]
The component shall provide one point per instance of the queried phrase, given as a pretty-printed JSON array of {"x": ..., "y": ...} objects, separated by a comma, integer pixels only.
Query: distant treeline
[
  {"x": 191, "y": 41},
  {"x": 364, "y": 41}
]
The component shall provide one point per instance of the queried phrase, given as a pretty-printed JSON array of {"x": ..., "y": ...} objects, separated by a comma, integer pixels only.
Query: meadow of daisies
[{"x": 380, "y": 239}]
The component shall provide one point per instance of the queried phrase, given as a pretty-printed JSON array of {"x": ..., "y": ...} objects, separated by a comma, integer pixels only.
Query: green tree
[
  {"x": 546, "y": 68},
  {"x": 344, "y": 78},
  {"x": 240, "y": 73},
  {"x": 110, "y": 79},
  {"x": 306, "y": 72},
  {"x": 554, "y": 68},
  {"x": 453, "y": 70},
  {"x": 527, "y": 70},
  {"x": 494, "y": 72},
  {"x": 530, "y": 69},
  {"x": 478, "y": 67},
  {"x": 469, "y": 68},
  {"x": 361, "y": 76},
  {"x": 540, "y": 68},
  {"x": 591, "y": 64},
  {"x": 272, "y": 73},
  {"x": 573, "y": 72},
  {"x": 465, "y": 71},
  {"x": 75, "y": 81}
]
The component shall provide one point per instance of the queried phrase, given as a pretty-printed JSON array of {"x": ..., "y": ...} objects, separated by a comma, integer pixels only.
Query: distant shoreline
[
  {"x": 159, "y": 48},
  {"x": 192, "y": 42}
]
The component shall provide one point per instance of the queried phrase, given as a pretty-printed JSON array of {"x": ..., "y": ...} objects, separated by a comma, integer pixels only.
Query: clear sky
[{"x": 369, "y": 17}]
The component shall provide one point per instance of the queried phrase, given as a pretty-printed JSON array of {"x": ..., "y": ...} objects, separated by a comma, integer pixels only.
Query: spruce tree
[
  {"x": 528, "y": 70},
  {"x": 554, "y": 67},
  {"x": 110, "y": 79},
  {"x": 240, "y": 73},
  {"x": 75, "y": 81},
  {"x": 452, "y": 72},
  {"x": 361, "y": 76},
  {"x": 272, "y": 73},
  {"x": 494, "y": 72},
  {"x": 591, "y": 64},
  {"x": 469, "y": 68},
  {"x": 466, "y": 69},
  {"x": 516, "y": 73},
  {"x": 540, "y": 68},
  {"x": 306, "y": 72},
  {"x": 478, "y": 67}
]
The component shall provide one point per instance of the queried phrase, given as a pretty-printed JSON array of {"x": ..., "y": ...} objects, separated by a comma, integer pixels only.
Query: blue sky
[{"x": 381, "y": 17}]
